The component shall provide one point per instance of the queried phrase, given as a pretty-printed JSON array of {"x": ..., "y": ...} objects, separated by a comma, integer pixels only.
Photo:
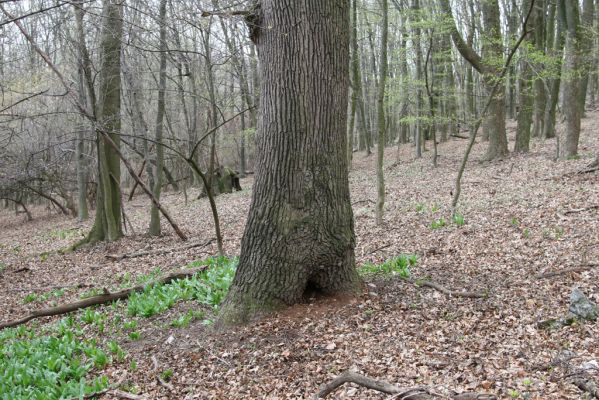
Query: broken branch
[
  {"x": 448, "y": 292},
  {"x": 379, "y": 386}
]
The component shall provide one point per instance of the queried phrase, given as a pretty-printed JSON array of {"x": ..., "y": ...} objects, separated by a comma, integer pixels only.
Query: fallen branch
[
  {"x": 455, "y": 135},
  {"x": 578, "y": 210},
  {"x": 566, "y": 271},
  {"x": 116, "y": 257},
  {"x": 379, "y": 386},
  {"x": 448, "y": 292},
  {"x": 104, "y": 298}
]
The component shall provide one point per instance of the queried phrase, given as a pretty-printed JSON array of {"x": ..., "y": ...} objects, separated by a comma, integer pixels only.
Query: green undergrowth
[
  {"x": 399, "y": 265},
  {"x": 208, "y": 287},
  {"x": 57, "y": 360},
  {"x": 51, "y": 365}
]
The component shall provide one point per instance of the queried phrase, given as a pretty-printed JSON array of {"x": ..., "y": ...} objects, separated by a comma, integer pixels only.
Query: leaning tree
[{"x": 299, "y": 234}]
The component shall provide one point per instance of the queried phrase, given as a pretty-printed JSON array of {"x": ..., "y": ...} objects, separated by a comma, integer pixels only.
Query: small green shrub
[
  {"x": 419, "y": 207},
  {"x": 167, "y": 374},
  {"x": 185, "y": 319},
  {"x": 438, "y": 223},
  {"x": 459, "y": 220},
  {"x": 399, "y": 265}
]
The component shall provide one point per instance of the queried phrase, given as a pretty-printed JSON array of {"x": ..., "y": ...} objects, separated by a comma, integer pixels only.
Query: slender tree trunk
[
  {"x": 380, "y": 110},
  {"x": 554, "y": 83},
  {"x": 419, "y": 139},
  {"x": 299, "y": 235},
  {"x": 154, "y": 228},
  {"x": 107, "y": 223},
  {"x": 525, "y": 112},
  {"x": 586, "y": 47},
  {"x": 569, "y": 131}
]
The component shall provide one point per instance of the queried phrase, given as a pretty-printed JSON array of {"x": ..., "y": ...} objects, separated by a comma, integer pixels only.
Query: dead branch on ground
[
  {"x": 116, "y": 257},
  {"x": 446, "y": 291},
  {"x": 379, "y": 386},
  {"x": 161, "y": 381},
  {"x": 399, "y": 393},
  {"x": 104, "y": 298}
]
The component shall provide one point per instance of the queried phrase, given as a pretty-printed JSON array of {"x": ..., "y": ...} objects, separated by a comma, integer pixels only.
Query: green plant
[
  {"x": 64, "y": 233},
  {"x": 419, "y": 207},
  {"x": 458, "y": 219},
  {"x": 167, "y": 374},
  {"x": 2, "y": 266},
  {"x": 116, "y": 350},
  {"x": 515, "y": 221},
  {"x": 130, "y": 325},
  {"x": 209, "y": 287},
  {"x": 434, "y": 208},
  {"x": 135, "y": 335},
  {"x": 514, "y": 394},
  {"x": 438, "y": 223},
  {"x": 526, "y": 233},
  {"x": 30, "y": 298},
  {"x": 54, "y": 366},
  {"x": 399, "y": 265},
  {"x": 185, "y": 319}
]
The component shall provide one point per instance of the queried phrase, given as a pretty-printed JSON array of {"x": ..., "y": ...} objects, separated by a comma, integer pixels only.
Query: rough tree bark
[
  {"x": 300, "y": 232},
  {"x": 569, "y": 131}
]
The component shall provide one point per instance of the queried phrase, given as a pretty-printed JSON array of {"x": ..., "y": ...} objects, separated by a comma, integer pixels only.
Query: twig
[
  {"x": 116, "y": 257},
  {"x": 107, "y": 297},
  {"x": 582, "y": 268},
  {"x": 448, "y": 292},
  {"x": 380, "y": 248},
  {"x": 578, "y": 210},
  {"x": 125, "y": 395}
]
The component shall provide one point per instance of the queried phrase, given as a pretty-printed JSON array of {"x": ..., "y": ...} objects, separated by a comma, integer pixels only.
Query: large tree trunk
[
  {"x": 107, "y": 223},
  {"x": 299, "y": 234}
]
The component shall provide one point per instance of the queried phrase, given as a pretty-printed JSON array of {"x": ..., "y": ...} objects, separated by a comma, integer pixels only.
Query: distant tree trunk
[
  {"x": 494, "y": 123},
  {"x": 586, "y": 46},
  {"x": 107, "y": 223},
  {"x": 299, "y": 235},
  {"x": 357, "y": 86},
  {"x": 380, "y": 111},
  {"x": 82, "y": 209},
  {"x": 419, "y": 139},
  {"x": 526, "y": 100},
  {"x": 154, "y": 229},
  {"x": 569, "y": 132},
  {"x": 554, "y": 83},
  {"x": 540, "y": 94}
]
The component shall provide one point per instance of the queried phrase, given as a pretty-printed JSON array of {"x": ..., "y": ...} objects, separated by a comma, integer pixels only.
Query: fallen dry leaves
[{"x": 517, "y": 227}]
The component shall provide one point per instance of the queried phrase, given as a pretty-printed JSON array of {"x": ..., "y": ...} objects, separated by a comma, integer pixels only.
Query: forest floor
[{"x": 525, "y": 216}]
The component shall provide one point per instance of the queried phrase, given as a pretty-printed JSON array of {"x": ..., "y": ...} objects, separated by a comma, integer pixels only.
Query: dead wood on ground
[{"x": 104, "y": 298}]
